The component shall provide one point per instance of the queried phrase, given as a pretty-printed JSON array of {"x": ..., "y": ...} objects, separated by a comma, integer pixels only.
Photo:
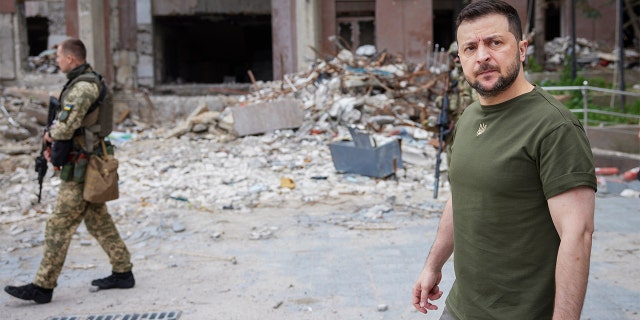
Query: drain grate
[{"x": 163, "y": 315}]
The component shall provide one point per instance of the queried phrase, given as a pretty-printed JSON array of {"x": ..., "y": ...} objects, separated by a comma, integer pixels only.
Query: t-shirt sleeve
[{"x": 566, "y": 160}]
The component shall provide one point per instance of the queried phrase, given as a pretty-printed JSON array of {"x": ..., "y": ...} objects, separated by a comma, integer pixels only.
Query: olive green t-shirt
[{"x": 507, "y": 160}]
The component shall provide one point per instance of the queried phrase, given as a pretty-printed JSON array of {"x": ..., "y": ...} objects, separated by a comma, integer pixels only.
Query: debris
[
  {"x": 178, "y": 227},
  {"x": 287, "y": 183},
  {"x": 264, "y": 117},
  {"x": 630, "y": 193},
  {"x": 4, "y": 111},
  {"x": 607, "y": 171},
  {"x": 602, "y": 185},
  {"x": 589, "y": 55},
  {"x": 631, "y": 174},
  {"x": 383, "y": 307},
  {"x": 362, "y": 156},
  {"x": 45, "y": 62}
]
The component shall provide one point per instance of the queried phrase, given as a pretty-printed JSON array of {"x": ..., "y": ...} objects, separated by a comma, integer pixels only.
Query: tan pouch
[{"x": 101, "y": 178}]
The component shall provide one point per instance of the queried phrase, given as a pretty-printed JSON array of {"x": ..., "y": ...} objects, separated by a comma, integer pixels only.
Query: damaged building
[{"x": 163, "y": 44}]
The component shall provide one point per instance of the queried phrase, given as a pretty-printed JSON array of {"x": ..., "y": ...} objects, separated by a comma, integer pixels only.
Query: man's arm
[
  {"x": 426, "y": 287},
  {"x": 76, "y": 104},
  {"x": 572, "y": 213}
]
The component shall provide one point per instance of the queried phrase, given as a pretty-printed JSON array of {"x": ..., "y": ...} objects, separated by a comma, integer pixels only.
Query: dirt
[
  {"x": 237, "y": 253},
  {"x": 342, "y": 247}
]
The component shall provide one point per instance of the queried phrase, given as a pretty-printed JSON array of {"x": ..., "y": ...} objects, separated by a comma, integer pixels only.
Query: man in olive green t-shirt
[{"x": 520, "y": 218}]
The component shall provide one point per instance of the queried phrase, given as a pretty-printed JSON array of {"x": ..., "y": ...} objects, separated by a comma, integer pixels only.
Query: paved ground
[{"x": 306, "y": 262}]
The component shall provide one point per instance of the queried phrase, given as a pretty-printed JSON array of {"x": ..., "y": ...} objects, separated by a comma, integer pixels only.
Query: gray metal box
[{"x": 361, "y": 156}]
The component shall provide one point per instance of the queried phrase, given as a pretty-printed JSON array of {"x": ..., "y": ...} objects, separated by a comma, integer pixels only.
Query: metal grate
[{"x": 163, "y": 315}]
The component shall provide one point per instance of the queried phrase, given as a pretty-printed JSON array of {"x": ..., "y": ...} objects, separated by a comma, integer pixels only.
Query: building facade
[{"x": 154, "y": 43}]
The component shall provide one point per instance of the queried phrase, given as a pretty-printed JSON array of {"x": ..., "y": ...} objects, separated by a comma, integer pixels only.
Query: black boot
[
  {"x": 30, "y": 292},
  {"x": 118, "y": 280}
]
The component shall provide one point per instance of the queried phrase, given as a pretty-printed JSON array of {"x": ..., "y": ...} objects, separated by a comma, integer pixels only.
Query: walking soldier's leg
[
  {"x": 101, "y": 226},
  {"x": 61, "y": 226}
]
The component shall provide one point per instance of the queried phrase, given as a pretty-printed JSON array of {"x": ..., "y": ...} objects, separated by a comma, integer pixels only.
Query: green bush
[{"x": 533, "y": 66}]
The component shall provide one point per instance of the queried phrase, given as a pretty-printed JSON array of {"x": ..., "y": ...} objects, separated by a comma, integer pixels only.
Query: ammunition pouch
[{"x": 76, "y": 167}]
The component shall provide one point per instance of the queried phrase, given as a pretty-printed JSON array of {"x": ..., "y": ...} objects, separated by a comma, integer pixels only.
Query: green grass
[{"x": 631, "y": 107}]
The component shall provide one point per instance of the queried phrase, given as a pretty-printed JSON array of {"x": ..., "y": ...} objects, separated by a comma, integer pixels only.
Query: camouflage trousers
[{"x": 69, "y": 212}]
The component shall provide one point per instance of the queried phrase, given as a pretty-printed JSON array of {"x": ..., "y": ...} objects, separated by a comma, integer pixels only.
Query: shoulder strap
[
  {"x": 90, "y": 125},
  {"x": 97, "y": 79}
]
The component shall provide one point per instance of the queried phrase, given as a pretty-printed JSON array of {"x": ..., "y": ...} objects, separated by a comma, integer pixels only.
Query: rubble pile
[
  {"x": 45, "y": 62},
  {"x": 589, "y": 55},
  {"x": 377, "y": 92},
  {"x": 220, "y": 171},
  {"x": 199, "y": 163}
]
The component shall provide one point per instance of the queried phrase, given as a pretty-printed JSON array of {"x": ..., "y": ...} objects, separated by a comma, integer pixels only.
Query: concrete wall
[
  {"x": 144, "y": 45},
  {"x": 404, "y": 27},
  {"x": 283, "y": 37},
  {"x": 130, "y": 60},
  {"x": 13, "y": 40},
  {"x": 92, "y": 33},
  {"x": 190, "y": 7},
  {"x": 8, "y": 63},
  {"x": 53, "y": 10},
  {"x": 308, "y": 31}
]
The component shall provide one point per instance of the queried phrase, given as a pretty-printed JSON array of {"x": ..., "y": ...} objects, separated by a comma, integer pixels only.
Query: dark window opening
[
  {"x": 37, "y": 35},
  {"x": 443, "y": 28},
  {"x": 214, "y": 48},
  {"x": 551, "y": 22}
]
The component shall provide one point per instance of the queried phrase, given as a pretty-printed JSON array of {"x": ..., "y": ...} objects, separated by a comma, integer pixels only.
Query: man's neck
[{"x": 76, "y": 71}]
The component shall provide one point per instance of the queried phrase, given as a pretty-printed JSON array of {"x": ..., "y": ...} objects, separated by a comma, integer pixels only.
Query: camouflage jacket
[
  {"x": 75, "y": 100},
  {"x": 461, "y": 96}
]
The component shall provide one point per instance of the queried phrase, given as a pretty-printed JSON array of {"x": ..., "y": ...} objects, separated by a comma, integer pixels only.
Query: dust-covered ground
[{"x": 214, "y": 235}]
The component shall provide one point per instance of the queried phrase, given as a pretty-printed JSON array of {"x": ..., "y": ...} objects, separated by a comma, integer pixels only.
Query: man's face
[
  {"x": 490, "y": 55},
  {"x": 64, "y": 60}
]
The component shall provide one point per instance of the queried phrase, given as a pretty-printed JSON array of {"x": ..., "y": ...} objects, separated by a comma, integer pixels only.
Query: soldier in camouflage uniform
[{"x": 71, "y": 209}]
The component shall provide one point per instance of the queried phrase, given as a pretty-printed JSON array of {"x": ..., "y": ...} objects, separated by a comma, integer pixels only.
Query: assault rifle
[
  {"x": 443, "y": 130},
  {"x": 41, "y": 161}
]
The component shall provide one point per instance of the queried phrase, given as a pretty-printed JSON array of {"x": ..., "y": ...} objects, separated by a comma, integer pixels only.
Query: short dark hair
[
  {"x": 74, "y": 47},
  {"x": 482, "y": 8}
]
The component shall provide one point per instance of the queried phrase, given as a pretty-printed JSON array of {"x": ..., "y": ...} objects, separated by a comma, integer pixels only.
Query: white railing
[{"x": 585, "y": 103}]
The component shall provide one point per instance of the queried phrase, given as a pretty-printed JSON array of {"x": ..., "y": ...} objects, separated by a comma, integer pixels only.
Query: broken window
[
  {"x": 218, "y": 48},
  {"x": 356, "y": 23},
  {"x": 443, "y": 24},
  {"x": 37, "y": 35}
]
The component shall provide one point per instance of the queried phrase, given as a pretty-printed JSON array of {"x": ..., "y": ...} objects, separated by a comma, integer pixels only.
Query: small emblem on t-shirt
[{"x": 481, "y": 129}]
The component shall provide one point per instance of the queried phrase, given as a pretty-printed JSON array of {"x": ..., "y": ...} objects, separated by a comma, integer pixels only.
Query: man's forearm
[
  {"x": 442, "y": 247},
  {"x": 572, "y": 273}
]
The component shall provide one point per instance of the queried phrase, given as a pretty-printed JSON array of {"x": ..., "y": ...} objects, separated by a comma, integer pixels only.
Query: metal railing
[{"x": 585, "y": 101}]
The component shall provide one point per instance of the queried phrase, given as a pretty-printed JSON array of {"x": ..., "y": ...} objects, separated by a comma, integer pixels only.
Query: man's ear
[{"x": 522, "y": 48}]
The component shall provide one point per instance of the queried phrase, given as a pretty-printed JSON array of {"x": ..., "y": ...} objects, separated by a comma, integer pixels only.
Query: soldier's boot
[
  {"x": 117, "y": 280},
  {"x": 30, "y": 292}
]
